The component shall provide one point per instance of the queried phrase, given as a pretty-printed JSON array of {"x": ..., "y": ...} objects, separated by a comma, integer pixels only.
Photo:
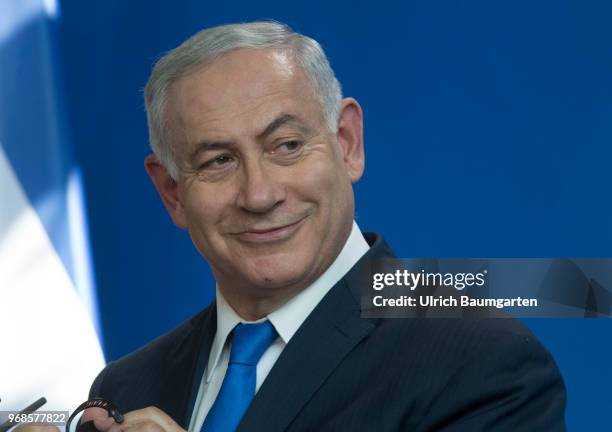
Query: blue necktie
[{"x": 248, "y": 345}]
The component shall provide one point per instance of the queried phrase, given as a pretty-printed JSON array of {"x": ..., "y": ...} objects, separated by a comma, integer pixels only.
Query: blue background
[{"x": 488, "y": 134}]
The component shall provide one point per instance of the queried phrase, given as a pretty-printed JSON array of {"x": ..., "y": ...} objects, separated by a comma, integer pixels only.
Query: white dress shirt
[{"x": 286, "y": 320}]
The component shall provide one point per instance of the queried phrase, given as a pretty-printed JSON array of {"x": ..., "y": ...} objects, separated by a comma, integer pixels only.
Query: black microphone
[
  {"x": 97, "y": 402},
  {"x": 27, "y": 410}
]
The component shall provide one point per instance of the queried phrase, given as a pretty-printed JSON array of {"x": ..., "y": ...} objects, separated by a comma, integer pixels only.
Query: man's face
[{"x": 265, "y": 188}]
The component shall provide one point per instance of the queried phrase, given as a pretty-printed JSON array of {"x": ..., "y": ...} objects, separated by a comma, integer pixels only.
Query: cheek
[
  {"x": 327, "y": 181},
  {"x": 320, "y": 171},
  {"x": 204, "y": 208},
  {"x": 326, "y": 186},
  {"x": 204, "y": 213}
]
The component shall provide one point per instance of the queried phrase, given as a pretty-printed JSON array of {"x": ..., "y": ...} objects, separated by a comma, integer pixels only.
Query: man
[{"x": 255, "y": 155}]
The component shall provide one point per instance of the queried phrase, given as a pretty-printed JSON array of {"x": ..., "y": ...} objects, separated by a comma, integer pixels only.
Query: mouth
[{"x": 270, "y": 234}]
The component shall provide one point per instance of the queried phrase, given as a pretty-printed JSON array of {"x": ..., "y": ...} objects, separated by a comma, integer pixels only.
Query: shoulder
[
  {"x": 449, "y": 344},
  {"x": 146, "y": 363},
  {"x": 490, "y": 374},
  {"x": 464, "y": 337}
]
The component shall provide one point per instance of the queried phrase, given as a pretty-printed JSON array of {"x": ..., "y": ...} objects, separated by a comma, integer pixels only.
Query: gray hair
[{"x": 208, "y": 45}]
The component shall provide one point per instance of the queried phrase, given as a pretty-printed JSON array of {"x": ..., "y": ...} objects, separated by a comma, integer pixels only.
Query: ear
[
  {"x": 350, "y": 138},
  {"x": 167, "y": 188}
]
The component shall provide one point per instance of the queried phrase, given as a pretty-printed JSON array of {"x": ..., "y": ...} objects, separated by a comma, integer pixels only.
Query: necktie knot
[{"x": 250, "y": 342}]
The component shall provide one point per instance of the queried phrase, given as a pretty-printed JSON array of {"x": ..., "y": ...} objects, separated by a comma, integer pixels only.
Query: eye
[
  {"x": 218, "y": 162},
  {"x": 289, "y": 146},
  {"x": 222, "y": 160}
]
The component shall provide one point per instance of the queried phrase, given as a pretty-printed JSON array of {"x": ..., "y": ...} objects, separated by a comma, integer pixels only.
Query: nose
[{"x": 260, "y": 190}]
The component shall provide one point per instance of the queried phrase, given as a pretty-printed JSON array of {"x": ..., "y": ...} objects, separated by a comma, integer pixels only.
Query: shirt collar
[{"x": 290, "y": 316}]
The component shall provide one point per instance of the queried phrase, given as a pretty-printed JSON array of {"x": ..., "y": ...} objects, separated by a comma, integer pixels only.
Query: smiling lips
[{"x": 264, "y": 235}]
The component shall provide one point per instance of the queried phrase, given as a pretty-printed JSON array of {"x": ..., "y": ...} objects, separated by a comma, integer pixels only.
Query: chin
[{"x": 277, "y": 274}]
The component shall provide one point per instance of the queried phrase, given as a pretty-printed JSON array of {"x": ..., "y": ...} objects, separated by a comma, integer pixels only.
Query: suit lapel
[
  {"x": 329, "y": 333},
  {"x": 185, "y": 367}
]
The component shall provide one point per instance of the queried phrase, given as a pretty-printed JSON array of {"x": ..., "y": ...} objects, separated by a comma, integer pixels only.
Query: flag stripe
[{"x": 47, "y": 296}]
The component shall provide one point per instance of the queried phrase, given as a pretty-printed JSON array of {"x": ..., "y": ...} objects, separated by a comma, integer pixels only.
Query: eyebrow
[
  {"x": 203, "y": 146},
  {"x": 279, "y": 121}
]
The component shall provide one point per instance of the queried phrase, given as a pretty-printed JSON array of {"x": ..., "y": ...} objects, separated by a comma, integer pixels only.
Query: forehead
[{"x": 240, "y": 91}]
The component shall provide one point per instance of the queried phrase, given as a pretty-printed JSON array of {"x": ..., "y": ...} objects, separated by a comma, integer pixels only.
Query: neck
[{"x": 253, "y": 307}]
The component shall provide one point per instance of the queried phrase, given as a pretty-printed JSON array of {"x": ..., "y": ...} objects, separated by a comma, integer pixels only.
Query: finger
[
  {"x": 145, "y": 426},
  {"x": 100, "y": 417},
  {"x": 93, "y": 413},
  {"x": 147, "y": 419}
]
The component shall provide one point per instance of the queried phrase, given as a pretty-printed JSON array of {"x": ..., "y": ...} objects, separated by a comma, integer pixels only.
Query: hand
[
  {"x": 150, "y": 419},
  {"x": 36, "y": 427}
]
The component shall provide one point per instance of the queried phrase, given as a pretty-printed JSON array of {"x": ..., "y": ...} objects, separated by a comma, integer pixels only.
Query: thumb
[{"x": 100, "y": 417}]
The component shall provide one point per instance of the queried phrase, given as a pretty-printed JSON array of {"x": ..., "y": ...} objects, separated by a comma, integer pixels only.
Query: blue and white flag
[{"x": 49, "y": 343}]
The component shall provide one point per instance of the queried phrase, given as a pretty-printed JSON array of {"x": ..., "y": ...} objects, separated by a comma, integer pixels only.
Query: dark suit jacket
[{"x": 340, "y": 372}]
